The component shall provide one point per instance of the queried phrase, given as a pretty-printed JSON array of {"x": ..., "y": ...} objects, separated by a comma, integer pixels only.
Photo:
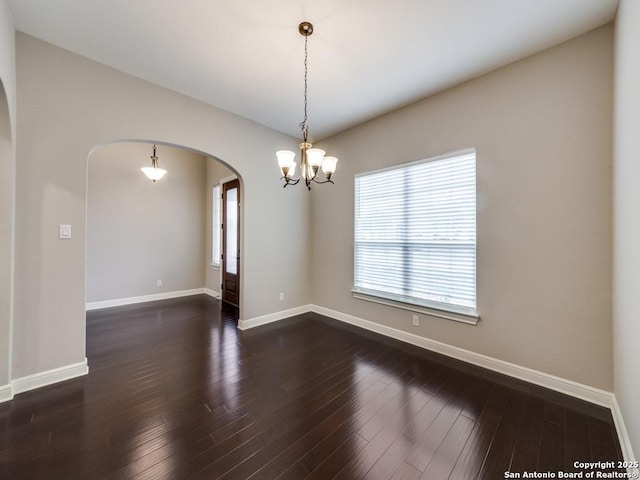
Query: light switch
[{"x": 65, "y": 232}]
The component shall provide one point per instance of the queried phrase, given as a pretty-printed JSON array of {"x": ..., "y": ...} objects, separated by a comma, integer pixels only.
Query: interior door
[{"x": 231, "y": 242}]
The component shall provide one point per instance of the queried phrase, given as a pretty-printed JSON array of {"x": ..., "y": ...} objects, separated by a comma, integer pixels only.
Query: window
[
  {"x": 215, "y": 227},
  {"x": 415, "y": 236}
]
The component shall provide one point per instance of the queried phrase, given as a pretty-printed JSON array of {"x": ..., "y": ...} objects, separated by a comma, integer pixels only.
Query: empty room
[{"x": 295, "y": 239}]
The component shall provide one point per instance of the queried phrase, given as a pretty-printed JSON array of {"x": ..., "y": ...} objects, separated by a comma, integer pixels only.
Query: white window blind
[
  {"x": 415, "y": 233},
  {"x": 215, "y": 227}
]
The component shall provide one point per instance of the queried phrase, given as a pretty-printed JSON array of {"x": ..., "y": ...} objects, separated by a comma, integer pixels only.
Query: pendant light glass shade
[
  {"x": 286, "y": 162},
  {"x": 329, "y": 165},
  {"x": 314, "y": 157},
  {"x": 154, "y": 172}
]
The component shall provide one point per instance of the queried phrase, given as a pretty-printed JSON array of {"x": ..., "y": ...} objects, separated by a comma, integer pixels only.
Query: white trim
[
  {"x": 42, "y": 379},
  {"x": 228, "y": 179},
  {"x": 145, "y": 298},
  {"x": 6, "y": 393},
  {"x": 623, "y": 436},
  {"x": 212, "y": 293},
  {"x": 468, "y": 318},
  {"x": 568, "y": 387},
  {"x": 273, "y": 317}
]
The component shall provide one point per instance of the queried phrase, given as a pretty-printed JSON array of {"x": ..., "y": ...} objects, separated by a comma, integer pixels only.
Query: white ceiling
[{"x": 366, "y": 57}]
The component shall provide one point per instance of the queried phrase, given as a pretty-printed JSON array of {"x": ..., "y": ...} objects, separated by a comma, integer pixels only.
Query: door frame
[{"x": 230, "y": 280}]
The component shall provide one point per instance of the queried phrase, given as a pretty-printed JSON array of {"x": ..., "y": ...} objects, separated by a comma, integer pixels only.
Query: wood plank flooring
[{"x": 175, "y": 391}]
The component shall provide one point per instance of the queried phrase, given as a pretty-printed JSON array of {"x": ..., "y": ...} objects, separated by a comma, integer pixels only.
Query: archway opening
[
  {"x": 150, "y": 241},
  {"x": 7, "y": 208}
]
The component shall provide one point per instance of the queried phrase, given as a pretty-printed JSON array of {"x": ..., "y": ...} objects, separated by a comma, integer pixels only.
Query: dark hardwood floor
[{"x": 175, "y": 391}]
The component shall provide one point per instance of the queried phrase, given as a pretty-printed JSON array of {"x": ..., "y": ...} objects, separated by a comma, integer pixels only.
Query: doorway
[
  {"x": 231, "y": 242},
  {"x": 167, "y": 248}
]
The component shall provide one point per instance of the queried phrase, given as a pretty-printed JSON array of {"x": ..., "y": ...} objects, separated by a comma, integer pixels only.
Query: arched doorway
[
  {"x": 7, "y": 207},
  {"x": 150, "y": 241}
]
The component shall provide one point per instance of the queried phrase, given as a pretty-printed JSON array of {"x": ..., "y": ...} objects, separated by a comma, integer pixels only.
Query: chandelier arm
[
  {"x": 289, "y": 182},
  {"x": 322, "y": 181}
]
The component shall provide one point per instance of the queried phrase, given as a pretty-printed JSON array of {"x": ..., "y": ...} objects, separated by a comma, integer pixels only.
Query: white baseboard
[
  {"x": 623, "y": 437},
  {"x": 568, "y": 387},
  {"x": 272, "y": 317},
  {"x": 145, "y": 298},
  {"x": 212, "y": 293},
  {"x": 49, "y": 377},
  {"x": 6, "y": 393}
]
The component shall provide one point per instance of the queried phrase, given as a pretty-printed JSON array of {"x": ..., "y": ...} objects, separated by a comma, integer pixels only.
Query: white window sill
[
  {"x": 468, "y": 318},
  {"x": 215, "y": 267}
]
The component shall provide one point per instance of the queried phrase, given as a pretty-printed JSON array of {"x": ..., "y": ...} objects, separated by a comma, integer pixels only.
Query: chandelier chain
[{"x": 303, "y": 124}]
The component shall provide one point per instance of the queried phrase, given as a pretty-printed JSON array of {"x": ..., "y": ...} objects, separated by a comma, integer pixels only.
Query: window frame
[{"x": 455, "y": 312}]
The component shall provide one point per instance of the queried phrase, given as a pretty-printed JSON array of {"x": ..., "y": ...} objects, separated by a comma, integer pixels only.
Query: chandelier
[
  {"x": 154, "y": 172},
  {"x": 311, "y": 159}
]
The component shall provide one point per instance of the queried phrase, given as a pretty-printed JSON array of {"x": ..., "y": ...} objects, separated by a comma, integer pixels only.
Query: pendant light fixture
[
  {"x": 154, "y": 172},
  {"x": 311, "y": 159}
]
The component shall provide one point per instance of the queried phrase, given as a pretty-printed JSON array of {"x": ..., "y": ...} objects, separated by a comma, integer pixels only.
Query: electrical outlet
[
  {"x": 282, "y": 296},
  {"x": 415, "y": 319},
  {"x": 159, "y": 282}
]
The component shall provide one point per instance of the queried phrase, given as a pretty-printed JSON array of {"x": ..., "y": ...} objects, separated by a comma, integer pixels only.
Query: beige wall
[
  {"x": 542, "y": 131},
  {"x": 8, "y": 59},
  {"x": 138, "y": 231},
  {"x": 68, "y": 106},
  {"x": 216, "y": 171},
  {"x": 626, "y": 267},
  {"x": 7, "y": 188}
]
